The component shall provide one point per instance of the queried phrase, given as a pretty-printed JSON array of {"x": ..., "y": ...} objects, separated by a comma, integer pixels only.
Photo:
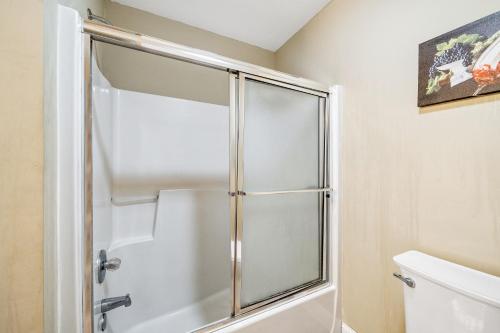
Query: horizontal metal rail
[
  {"x": 285, "y": 85},
  {"x": 151, "y": 199},
  {"x": 154, "y": 198},
  {"x": 134, "y": 40},
  {"x": 311, "y": 190}
]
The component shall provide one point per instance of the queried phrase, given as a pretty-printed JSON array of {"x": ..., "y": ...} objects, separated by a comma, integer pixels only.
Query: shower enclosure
[{"x": 203, "y": 216}]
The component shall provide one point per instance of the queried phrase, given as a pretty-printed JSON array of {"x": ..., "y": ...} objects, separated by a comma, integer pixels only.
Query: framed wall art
[{"x": 461, "y": 63}]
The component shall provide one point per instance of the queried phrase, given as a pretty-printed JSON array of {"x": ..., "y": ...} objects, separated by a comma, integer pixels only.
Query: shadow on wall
[{"x": 456, "y": 105}]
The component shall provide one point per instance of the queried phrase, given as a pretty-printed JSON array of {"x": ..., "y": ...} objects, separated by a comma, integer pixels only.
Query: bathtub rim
[{"x": 268, "y": 310}]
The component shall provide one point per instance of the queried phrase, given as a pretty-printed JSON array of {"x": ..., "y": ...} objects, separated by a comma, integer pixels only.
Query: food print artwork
[{"x": 462, "y": 63}]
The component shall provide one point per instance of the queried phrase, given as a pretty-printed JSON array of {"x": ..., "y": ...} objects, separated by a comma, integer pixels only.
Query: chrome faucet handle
[
  {"x": 103, "y": 265},
  {"x": 112, "y": 264}
]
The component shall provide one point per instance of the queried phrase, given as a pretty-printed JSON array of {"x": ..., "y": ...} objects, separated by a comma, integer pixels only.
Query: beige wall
[
  {"x": 133, "y": 70},
  {"x": 21, "y": 167},
  {"x": 426, "y": 179}
]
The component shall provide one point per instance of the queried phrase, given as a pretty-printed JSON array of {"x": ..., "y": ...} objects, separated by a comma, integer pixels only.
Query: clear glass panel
[
  {"x": 281, "y": 143},
  {"x": 161, "y": 170},
  {"x": 280, "y": 245}
]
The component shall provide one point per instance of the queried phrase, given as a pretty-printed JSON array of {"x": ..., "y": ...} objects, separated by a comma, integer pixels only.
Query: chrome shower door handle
[
  {"x": 112, "y": 264},
  {"x": 408, "y": 281}
]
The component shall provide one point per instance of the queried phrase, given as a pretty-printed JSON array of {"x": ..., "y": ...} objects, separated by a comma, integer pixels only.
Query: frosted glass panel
[
  {"x": 281, "y": 244},
  {"x": 281, "y": 236},
  {"x": 281, "y": 138}
]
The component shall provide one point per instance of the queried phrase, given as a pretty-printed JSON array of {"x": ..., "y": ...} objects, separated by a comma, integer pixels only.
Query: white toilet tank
[{"x": 448, "y": 298}]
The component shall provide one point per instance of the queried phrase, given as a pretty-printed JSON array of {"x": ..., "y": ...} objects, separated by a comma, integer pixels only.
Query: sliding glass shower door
[
  {"x": 201, "y": 204},
  {"x": 282, "y": 189}
]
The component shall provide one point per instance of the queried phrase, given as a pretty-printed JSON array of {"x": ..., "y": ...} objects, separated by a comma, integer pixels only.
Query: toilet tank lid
[{"x": 481, "y": 286}]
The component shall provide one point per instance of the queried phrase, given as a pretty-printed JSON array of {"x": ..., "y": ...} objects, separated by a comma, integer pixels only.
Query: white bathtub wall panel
[
  {"x": 102, "y": 151},
  {"x": 180, "y": 270},
  {"x": 133, "y": 224},
  {"x": 102, "y": 135},
  {"x": 183, "y": 320},
  {"x": 164, "y": 143}
]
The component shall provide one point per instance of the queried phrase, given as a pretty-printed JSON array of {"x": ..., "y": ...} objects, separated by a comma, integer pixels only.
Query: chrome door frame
[
  {"x": 238, "y": 72},
  {"x": 233, "y": 181},
  {"x": 134, "y": 40},
  {"x": 323, "y": 192},
  {"x": 88, "y": 218}
]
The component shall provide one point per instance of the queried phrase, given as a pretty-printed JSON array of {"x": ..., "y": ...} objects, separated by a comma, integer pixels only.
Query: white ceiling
[{"x": 265, "y": 23}]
